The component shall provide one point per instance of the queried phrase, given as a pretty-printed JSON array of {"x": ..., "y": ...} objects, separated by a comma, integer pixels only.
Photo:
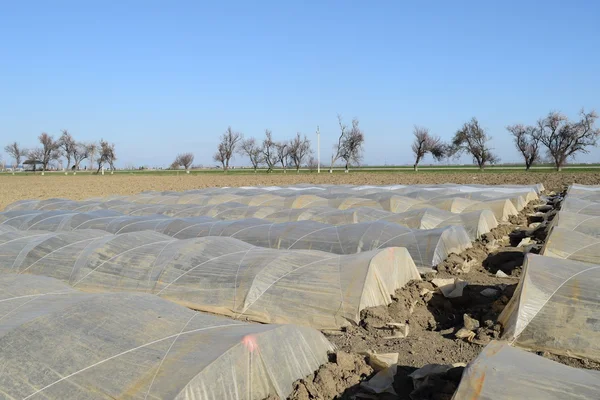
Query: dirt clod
[
  {"x": 470, "y": 323},
  {"x": 339, "y": 377}
]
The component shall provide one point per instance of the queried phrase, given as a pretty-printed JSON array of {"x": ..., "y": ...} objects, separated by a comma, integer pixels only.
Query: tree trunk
[
  {"x": 558, "y": 164},
  {"x": 416, "y": 166}
]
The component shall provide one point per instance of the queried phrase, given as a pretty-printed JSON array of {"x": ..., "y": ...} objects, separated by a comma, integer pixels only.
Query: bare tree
[
  {"x": 473, "y": 139},
  {"x": 283, "y": 153},
  {"x": 338, "y": 148},
  {"x": 67, "y": 144},
  {"x": 112, "y": 157},
  {"x": 50, "y": 150},
  {"x": 106, "y": 155},
  {"x": 185, "y": 160},
  {"x": 17, "y": 153},
  {"x": 352, "y": 145},
  {"x": 227, "y": 147},
  {"x": 34, "y": 158},
  {"x": 564, "y": 139},
  {"x": 527, "y": 141},
  {"x": 425, "y": 143},
  {"x": 220, "y": 155},
  {"x": 250, "y": 148},
  {"x": 92, "y": 149},
  {"x": 269, "y": 150},
  {"x": 80, "y": 152},
  {"x": 299, "y": 149}
]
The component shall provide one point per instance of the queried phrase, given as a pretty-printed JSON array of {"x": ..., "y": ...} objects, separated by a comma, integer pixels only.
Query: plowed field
[{"x": 79, "y": 187}]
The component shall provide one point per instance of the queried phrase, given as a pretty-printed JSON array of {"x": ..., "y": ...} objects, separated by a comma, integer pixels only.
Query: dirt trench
[{"x": 424, "y": 327}]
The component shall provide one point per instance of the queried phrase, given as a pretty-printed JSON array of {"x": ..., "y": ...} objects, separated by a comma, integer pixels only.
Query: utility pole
[{"x": 318, "y": 150}]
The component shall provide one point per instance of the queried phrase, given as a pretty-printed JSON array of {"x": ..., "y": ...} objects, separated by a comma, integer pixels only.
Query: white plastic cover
[
  {"x": 259, "y": 202},
  {"x": 572, "y": 245},
  {"x": 584, "y": 192},
  {"x": 427, "y": 247},
  {"x": 59, "y": 343},
  {"x": 216, "y": 274},
  {"x": 579, "y": 206},
  {"x": 575, "y": 230},
  {"x": 475, "y": 223},
  {"x": 586, "y": 224},
  {"x": 555, "y": 308},
  {"x": 502, "y": 372}
]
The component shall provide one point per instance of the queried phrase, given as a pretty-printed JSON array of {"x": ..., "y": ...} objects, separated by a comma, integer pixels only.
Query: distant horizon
[
  {"x": 324, "y": 167},
  {"x": 158, "y": 79}
]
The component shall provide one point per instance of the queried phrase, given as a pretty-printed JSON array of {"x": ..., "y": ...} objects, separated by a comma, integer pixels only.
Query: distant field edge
[{"x": 370, "y": 169}]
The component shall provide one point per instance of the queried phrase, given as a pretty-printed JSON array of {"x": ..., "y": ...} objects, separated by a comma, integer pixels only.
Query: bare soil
[{"x": 80, "y": 187}]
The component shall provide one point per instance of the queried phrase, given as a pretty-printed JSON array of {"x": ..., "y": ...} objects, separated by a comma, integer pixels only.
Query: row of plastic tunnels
[{"x": 220, "y": 293}]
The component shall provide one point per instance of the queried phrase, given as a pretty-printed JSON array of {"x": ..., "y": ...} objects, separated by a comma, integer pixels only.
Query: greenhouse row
[
  {"x": 555, "y": 307},
  {"x": 428, "y": 247},
  {"x": 221, "y": 275},
  {"x": 419, "y": 192},
  {"x": 59, "y": 343},
  {"x": 575, "y": 233},
  {"x": 108, "y": 295},
  {"x": 476, "y": 223},
  {"x": 502, "y": 372},
  {"x": 501, "y": 207},
  {"x": 502, "y": 210},
  {"x": 261, "y": 203}
]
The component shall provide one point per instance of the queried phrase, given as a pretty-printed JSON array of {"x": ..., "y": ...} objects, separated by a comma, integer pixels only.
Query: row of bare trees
[
  {"x": 269, "y": 152},
  {"x": 100, "y": 154},
  {"x": 471, "y": 138},
  {"x": 562, "y": 139},
  {"x": 294, "y": 152}
]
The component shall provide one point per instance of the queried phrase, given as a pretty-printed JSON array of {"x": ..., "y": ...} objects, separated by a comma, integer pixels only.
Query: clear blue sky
[{"x": 158, "y": 78}]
